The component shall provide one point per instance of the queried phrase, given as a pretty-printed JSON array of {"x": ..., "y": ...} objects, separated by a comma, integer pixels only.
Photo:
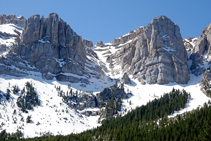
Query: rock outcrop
[
  {"x": 13, "y": 19},
  {"x": 152, "y": 54},
  {"x": 109, "y": 97},
  {"x": 206, "y": 82},
  {"x": 50, "y": 46},
  {"x": 189, "y": 43},
  {"x": 10, "y": 31},
  {"x": 202, "y": 47},
  {"x": 125, "y": 79},
  {"x": 88, "y": 43},
  {"x": 100, "y": 44}
]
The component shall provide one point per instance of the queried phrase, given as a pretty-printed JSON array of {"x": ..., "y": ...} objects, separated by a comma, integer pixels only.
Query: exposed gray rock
[
  {"x": 100, "y": 44},
  {"x": 31, "y": 30},
  {"x": 88, "y": 43},
  {"x": 153, "y": 54},
  {"x": 14, "y": 19},
  {"x": 67, "y": 78},
  {"x": 187, "y": 43},
  {"x": 206, "y": 77},
  {"x": 205, "y": 82},
  {"x": 202, "y": 47},
  {"x": 91, "y": 53},
  {"x": 95, "y": 67},
  {"x": 52, "y": 47},
  {"x": 125, "y": 79}
]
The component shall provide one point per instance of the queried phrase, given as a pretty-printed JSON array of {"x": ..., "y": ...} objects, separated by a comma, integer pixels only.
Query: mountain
[
  {"x": 54, "y": 82},
  {"x": 201, "y": 53},
  {"x": 11, "y": 27},
  {"x": 51, "y": 47},
  {"x": 152, "y": 54},
  {"x": 12, "y": 19}
]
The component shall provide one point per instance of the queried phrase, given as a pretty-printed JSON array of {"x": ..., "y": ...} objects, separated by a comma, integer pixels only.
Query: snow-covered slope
[
  {"x": 144, "y": 93},
  {"x": 9, "y": 36},
  {"x": 54, "y": 116}
]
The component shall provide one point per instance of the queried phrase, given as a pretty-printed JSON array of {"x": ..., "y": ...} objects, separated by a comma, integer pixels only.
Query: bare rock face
[
  {"x": 125, "y": 79},
  {"x": 50, "y": 46},
  {"x": 88, "y": 43},
  {"x": 14, "y": 19},
  {"x": 205, "y": 82},
  {"x": 202, "y": 47},
  {"x": 100, "y": 44},
  {"x": 152, "y": 54}
]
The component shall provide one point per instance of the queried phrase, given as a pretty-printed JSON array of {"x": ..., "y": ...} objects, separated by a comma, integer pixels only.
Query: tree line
[{"x": 150, "y": 122}]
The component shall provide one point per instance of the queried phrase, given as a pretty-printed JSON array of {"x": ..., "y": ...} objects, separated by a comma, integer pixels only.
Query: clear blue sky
[{"x": 107, "y": 19}]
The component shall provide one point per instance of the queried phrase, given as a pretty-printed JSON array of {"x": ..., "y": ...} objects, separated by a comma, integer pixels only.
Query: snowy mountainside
[
  {"x": 9, "y": 36},
  {"x": 144, "y": 93},
  {"x": 148, "y": 53},
  {"x": 200, "y": 55},
  {"x": 55, "y": 115}
]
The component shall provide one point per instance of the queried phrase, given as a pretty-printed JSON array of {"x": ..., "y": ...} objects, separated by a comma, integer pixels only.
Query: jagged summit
[
  {"x": 12, "y": 19},
  {"x": 50, "y": 46},
  {"x": 98, "y": 77},
  {"x": 201, "y": 53},
  {"x": 152, "y": 54},
  {"x": 160, "y": 17}
]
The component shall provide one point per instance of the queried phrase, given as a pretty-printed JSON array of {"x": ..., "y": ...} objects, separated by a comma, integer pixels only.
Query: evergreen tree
[{"x": 8, "y": 94}]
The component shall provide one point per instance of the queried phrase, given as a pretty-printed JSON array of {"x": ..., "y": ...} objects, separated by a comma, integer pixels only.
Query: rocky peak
[
  {"x": 100, "y": 44},
  {"x": 206, "y": 31},
  {"x": 14, "y": 19},
  {"x": 160, "y": 20},
  {"x": 202, "y": 47},
  {"x": 153, "y": 54},
  {"x": 88, "y": 43},
  {"x": 52, "y": 47},
  {"x": 52, "y": 29}
]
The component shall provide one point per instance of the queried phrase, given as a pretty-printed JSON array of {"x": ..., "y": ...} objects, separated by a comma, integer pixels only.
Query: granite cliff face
[
  {"x": 50, "y": 46},
  {"x": 152, "y": 54},
  {"x": 202, "y": 47}
]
